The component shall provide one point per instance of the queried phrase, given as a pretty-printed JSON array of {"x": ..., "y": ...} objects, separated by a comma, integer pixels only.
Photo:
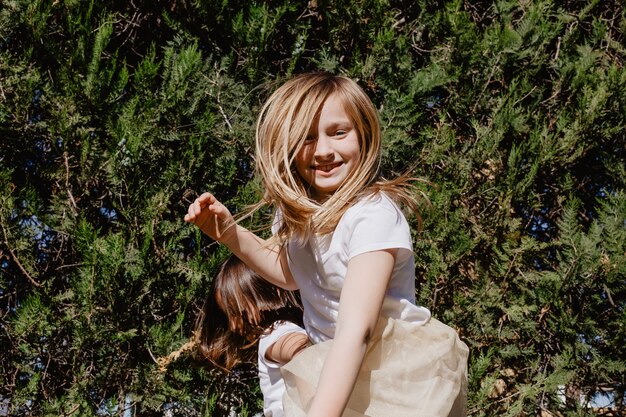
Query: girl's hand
[
  {"x": 211, "y": 217},
  {"x": 215, "y": 220}
]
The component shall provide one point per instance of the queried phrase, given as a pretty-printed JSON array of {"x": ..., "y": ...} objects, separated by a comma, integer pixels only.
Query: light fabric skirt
[{"x": 409, "y": 370}]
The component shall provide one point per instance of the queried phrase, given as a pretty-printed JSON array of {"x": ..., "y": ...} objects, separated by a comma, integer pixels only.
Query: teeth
[{"x": 326, "y": 168}]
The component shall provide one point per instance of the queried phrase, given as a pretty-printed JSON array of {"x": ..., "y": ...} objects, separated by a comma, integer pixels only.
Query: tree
[{"x": 113, "y": 116}]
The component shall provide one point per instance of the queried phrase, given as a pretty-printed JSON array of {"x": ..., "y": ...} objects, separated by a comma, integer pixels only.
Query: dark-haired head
[{"x": 240, "y": 307}]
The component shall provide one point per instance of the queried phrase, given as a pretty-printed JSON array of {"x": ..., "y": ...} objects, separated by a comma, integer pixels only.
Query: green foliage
[{"x": 115, "y": 115}]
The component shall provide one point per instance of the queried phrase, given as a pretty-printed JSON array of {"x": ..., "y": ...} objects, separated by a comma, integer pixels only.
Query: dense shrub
[{"x": 113, "y": 115}]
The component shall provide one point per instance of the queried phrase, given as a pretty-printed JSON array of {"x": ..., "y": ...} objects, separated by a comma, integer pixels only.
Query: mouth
[{"x": 327, "y": 167}]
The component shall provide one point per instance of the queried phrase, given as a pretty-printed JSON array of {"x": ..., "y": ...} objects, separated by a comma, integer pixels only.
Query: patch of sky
[
  {"x": 602, "y": 399},
  {"x": 5, "y": 404},
  {"x": 38, "y": 365},
  {"x": 43, "y": 146},
  {"x": 24, "y": 410},
  {"x": 42, "y": 234},
  {"x": 585, "y": 347},
  {"x": 109, "y": 213},
  {"x": 605, "y": 191},
  {"x": 108, "y": 408},
  {"x": 538, "y": 264},
  {"x": 111, "y": 407},
  {"x": 434, "y": 99},
  {"x": 540, "y": 227}
]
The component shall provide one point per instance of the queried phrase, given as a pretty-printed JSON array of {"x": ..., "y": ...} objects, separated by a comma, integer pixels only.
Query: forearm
[
  {"x": 254, "y": 251},
  {"x": 214, "y": 219},
  {"x": 359, "y": 307},
  {"x": 338, "y": 377},
  {"x": 287, "y": 347}
]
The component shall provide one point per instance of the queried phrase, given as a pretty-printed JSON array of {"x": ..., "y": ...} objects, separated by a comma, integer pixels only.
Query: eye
[
  {"x": 341, "y": 132},
  {"x": 309, "y": 139}
]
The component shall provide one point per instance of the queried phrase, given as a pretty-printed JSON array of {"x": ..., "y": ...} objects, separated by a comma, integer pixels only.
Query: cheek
[
  {"x": 303, "y": 158},
  {"x": 354, "y": 149}
]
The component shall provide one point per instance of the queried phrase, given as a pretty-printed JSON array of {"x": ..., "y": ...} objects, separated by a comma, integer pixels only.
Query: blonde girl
[
  {"x": 342, "y": 240},
  {"x": 246, "y": 319}
]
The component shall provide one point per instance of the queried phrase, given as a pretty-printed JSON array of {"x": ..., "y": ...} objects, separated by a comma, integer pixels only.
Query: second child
[{"x": 246, "y": 319}]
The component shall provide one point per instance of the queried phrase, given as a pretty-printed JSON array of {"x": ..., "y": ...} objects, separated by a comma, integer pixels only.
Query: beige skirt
[{"x": 409, "y": 370}]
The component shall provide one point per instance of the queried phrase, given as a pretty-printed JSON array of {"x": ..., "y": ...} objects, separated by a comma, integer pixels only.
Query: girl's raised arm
[
  {"x": 214, "y": 219},
  {"x": 361, "y": 300}
]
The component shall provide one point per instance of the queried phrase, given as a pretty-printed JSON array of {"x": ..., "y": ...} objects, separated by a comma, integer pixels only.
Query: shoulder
[
  {"x": 279, "y": 329},
  {"x": 374, "y": 206},
  {"x": 374, "y": 223}
]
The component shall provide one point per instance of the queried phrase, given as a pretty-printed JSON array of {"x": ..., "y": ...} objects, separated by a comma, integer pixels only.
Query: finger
[
  {"x": 190, "y": 218},
  {"x": 194, "y": 212},
  {"x": 197, "y": 207},
  {"x": 191, "y": 211},
  {"x": 206, "y": 199}
]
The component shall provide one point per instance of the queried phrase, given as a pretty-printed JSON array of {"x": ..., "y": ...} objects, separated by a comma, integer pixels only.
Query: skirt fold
[{"x": 409, "y": 370}]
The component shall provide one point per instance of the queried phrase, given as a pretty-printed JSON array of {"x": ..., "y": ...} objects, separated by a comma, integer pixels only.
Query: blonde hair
[{"x": 283, "y": 124}]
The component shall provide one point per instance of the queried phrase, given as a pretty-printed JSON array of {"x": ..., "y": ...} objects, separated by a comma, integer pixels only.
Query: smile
[{"x": 327, "y": 167}]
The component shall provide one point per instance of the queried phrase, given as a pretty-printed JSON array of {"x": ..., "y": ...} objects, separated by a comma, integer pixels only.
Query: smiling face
[
  {"x": 331, "y": 150},
  {"x": 317, "y": 149}
]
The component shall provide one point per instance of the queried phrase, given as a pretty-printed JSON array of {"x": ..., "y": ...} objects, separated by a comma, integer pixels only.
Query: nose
[{"x": 323, "y": 147}]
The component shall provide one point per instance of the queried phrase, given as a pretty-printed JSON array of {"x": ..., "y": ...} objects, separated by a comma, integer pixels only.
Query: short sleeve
[
  {"x": 280, "y": 329},
  {"x": 376, "y": 223}
]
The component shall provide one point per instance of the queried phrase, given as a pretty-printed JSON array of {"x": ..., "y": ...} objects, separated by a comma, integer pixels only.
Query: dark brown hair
[{"x": 240, "y": 307}]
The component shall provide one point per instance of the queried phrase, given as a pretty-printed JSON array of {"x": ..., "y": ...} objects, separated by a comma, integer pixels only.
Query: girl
[
  {"x": 242, "y": 310},
  {"x": 341, "y": 239}
]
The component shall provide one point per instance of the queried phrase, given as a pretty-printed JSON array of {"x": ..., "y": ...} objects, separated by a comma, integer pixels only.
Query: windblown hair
[
  {"x": 240, "y": 307},
  {"x": 283, "y": 125}
]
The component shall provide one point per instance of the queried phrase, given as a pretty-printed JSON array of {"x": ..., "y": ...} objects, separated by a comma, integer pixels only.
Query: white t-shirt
[
  {"x": 319, "y": 265},
  {"x": 270, "y": 379}
]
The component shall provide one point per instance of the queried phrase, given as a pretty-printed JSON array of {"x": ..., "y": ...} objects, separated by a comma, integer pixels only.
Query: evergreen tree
[{"x": 115, "y": 115}]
